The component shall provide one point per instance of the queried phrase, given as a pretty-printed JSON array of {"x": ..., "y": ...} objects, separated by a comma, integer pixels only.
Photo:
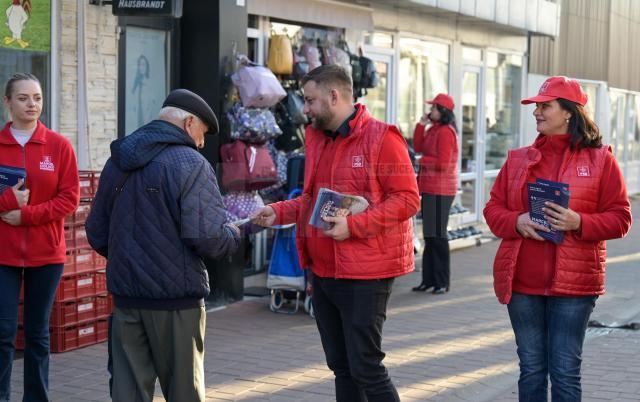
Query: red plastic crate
[
  {"x": 76, "y": 311},
  {"x": 72, "y": 337},
  {"x": 99, "y": 262},
  {"x": 76, "y": 238},
  {"x": 88, "y": 183},
  {"x": 77, "y": 286},
  {"x": 81, "y": 260},
  {"x": 79, "y": 216}
]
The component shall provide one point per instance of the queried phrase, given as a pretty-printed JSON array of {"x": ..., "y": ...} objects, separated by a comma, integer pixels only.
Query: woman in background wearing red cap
[
  {"x": 437, "y": 182},
  {"x": 550, "y": 290}
]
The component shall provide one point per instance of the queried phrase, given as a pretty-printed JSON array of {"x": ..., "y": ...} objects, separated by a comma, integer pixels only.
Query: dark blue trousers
[{"x": 40, "y": 284}]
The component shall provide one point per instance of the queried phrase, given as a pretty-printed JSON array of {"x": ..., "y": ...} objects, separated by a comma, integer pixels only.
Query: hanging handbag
[
  {"x": 280, "y": 59},
  {"x": 252, "y": 125},
  {"x": 257, "y": 85},
  {"x": 247, "y": 167}
]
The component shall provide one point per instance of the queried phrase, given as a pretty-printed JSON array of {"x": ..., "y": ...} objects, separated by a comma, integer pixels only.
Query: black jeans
[
  {"x": 436, "y": 264},
  {"x": 350, "y": 315}
]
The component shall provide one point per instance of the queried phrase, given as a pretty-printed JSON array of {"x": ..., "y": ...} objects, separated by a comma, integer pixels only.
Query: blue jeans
[
  {"x": 549, "y": 334},
  {"x": 40, "y": 284},
  {"x": 349, "y": 315}
]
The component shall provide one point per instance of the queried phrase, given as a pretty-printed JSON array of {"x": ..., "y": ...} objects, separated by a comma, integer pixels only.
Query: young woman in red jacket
[
  {"x": 31, "y": 228},
  {"x": 437, "y": 182},
  {"x": 550, "y": 290}
]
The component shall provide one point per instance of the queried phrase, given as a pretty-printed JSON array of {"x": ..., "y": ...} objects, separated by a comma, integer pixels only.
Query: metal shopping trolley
[{"x": 286, "y": 279}]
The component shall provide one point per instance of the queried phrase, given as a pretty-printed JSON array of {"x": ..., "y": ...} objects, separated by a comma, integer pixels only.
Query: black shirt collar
[{"x": 344, "y": 128}]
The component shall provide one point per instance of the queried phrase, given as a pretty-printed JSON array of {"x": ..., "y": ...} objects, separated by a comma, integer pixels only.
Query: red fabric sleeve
[
  {"x": 289, "y": 211},
  {"x": 8, "y": 201},
  {"x": 398, "y": 181},
  {"x": 613, "y": 218},
  {"x": 501, "y": 220},
  {"x": 418, "y": 137},
  {"x": 67, "y": 199}
]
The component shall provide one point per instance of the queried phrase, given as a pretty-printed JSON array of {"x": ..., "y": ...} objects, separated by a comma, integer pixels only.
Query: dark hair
[
  {"x": 447, "y": 116},
  {"x": 8, "y": 88},
  {"x": 331, "y": 75},
  {"x": 584, "y": 131}
]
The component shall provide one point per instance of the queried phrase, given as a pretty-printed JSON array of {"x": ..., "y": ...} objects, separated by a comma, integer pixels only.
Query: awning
[{"x": 320, "y": 12}]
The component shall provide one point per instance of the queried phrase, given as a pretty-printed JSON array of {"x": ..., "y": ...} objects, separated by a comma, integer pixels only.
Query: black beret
[{"x": 192, "y": 103}]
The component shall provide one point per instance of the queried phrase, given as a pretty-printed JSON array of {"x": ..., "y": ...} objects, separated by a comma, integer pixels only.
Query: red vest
[
  {"x": 387, "y": 254},
  {"x": 439, "y": 162},
  {"x": 580, "y": 265}
]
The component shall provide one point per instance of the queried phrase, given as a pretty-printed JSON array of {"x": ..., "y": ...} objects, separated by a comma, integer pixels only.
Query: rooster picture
[{"x": 17, "y": 15}]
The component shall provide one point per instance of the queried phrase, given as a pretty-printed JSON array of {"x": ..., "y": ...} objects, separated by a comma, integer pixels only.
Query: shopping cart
[{"x": 286, "y": 279}]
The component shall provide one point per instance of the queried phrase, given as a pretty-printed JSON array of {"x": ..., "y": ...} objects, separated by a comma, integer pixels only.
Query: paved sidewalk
[{"x": 454, "y": 347}]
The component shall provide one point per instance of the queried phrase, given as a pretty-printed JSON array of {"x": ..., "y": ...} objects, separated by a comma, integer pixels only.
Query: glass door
[
  {"x": 471, "y": 142},
  {"x": 378, "y": 100}
]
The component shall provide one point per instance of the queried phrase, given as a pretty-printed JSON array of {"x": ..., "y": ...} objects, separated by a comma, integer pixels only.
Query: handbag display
[
  {"x": 252, "y": 125},
  {"x": 247, "y": 167},
  {"x": 280, "y": 59},
  {"x": 258, "y": 86}
]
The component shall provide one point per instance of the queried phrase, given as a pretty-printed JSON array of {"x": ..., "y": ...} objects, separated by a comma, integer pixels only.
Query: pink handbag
[
  {"x": 258, "y": 86},
  {"x": 247, "y": 167}
]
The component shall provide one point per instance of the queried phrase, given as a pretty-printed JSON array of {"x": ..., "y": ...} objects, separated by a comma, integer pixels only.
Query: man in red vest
[{"x": 355, "y": 262}]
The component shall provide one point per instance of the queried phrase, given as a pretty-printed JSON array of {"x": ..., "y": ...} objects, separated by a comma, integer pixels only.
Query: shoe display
[{"x": 440, "y": 291}]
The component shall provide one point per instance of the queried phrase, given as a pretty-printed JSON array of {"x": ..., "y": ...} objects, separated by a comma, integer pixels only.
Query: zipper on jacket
[
  {"x": 23, "y": 245},
  {"x": 333, "y": 165}
]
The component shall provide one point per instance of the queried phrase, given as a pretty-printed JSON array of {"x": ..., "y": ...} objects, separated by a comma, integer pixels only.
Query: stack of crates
[{"x": 81, "y": 306}]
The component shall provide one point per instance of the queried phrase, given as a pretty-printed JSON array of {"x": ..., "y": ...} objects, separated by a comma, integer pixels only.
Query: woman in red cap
[
  {"x": 437, "y": 182},
  {"x": 550, "y": 289}
]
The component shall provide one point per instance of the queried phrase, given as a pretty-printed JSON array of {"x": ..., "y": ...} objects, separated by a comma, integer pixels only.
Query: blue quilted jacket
[{"x": 168, "y": 216}]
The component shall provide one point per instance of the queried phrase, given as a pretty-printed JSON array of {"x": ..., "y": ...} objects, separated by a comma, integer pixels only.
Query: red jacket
[
  {"x": 380, "y": 245},
  {"x": 52, "y": 178},
  {"x": 439, "y": 162},
  {"x": 598, "y": 194}
]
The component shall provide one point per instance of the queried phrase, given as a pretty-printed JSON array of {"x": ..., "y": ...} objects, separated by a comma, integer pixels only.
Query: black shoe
[
  {"x": 421, "y": 288},
  {"x": 440, "y": 291}
]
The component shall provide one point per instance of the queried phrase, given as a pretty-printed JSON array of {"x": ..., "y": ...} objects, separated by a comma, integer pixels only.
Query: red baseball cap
[
  {"x": 443, "y": 100},
  {"x": 559, "y": 87}
]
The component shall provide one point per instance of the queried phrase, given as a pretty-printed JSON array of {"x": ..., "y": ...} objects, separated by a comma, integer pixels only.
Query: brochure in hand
[
  {"x": 540, "y": 192},
  {"x": 332, "y": 203},
  {"x": 10, "y": 175}
]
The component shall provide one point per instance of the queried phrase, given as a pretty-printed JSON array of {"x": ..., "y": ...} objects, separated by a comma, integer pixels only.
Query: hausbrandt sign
[{"x": 150, "y": 8}]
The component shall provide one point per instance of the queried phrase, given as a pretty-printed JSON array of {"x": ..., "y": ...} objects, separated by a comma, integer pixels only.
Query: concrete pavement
[{"x": 454, "y": 347}]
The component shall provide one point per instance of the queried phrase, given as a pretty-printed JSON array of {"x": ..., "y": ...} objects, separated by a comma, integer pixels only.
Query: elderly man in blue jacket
[{"x": 157, "y": 213}]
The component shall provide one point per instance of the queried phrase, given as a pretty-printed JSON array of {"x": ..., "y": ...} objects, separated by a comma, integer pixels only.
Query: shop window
[
  {"x": 471, "y": 53},
  {"x": 25, "y": 46},
  {"x": 376, "y": 98},
  {"x": 424, "y": 72},
  {"x": 146, "y": 79},
  {"x": 379, "y": 39},
  {"x": 616, "y": 123},
  {"x": 592, "y": 93},
  {"x": 634, "y": 140},
  {"x": 504, "y": 78}
]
